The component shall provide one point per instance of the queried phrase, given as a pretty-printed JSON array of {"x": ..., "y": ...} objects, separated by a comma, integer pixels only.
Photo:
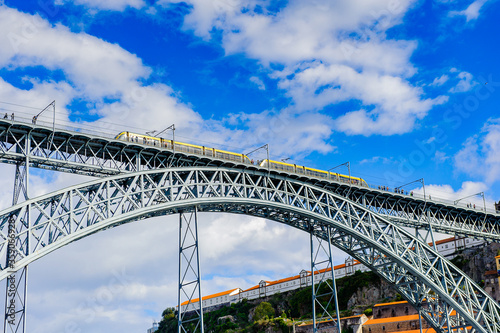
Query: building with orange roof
[
  {"x": 394, "y": 317},
  {"x": 392, "y": 324},
  {"x": 213, "y": 301},
  {"x": 446, "y": 247}
]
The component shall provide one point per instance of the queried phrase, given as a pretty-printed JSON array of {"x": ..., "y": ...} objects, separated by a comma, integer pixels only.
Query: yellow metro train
[
  {"x": 182, "y": 147},
  {"x": 302, "y": 170},
  {"x": 235, "y": 157}
]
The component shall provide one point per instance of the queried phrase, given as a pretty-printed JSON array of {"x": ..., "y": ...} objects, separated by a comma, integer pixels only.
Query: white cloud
[
  {"x": 95, "y": 68},
  {"x": 441, "y": 157},
  {"x": 396, "y": 104},
  {"x": 468, "y": 190},
  {"x": 287, "y": 131},
  {"x": 377, "y": 159},
  {"x": 471, "y": 12},
  {"x": 465, "y": 83},
  {"x": 258, "y": 82},
  {"x": 439, "y": 81},
  {"x": 331, "y": 52},
  {"x": 96, "y": 71},
  {"x": 115, "y": 5},
  {"x": 480, "y": 155}
]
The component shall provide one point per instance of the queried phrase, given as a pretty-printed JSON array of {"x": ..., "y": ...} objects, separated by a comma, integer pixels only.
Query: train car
[
  {"x": 182, "y": 147},
  {"x": 302, "y": 170},
  {"x": 235, "y": 157},
  {"x": 227, "y": 155}
]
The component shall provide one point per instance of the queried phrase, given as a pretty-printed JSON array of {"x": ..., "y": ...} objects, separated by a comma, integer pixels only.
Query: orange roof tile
[
  {"x": 390, "y": 303},
  {"x": 351, "y": 317},
  {"x": 391, "y": 319},
  {"x": 424, "y": 330},
  {"x": 252, "y": 288},
  {"x": 227, "y": 292},
  {"x": 296, "y": 277},
  {"x": 442, "y": 241}
]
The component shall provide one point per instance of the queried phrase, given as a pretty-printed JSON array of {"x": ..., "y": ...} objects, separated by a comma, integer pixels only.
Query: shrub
[{"x": 263, "y": 310}]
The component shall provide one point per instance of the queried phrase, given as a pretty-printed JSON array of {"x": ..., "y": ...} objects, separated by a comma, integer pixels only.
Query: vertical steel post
[
  {"x": 16, "y": 290},
  {"x": 190, "y": 320},
  {"x": 420, "y": 319},
  {"x": 321, "y": 263}
]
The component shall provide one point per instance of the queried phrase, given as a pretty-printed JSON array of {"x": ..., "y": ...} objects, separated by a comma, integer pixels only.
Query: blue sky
[{"x": 401, "y": 89}]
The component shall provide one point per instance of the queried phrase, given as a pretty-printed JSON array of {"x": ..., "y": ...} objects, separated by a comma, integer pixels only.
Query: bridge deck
[{"x": 100, "y": 154}]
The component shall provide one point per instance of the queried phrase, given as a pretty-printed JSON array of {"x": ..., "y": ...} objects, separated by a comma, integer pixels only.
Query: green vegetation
[
  {"x": 349, "y": 285},
  {"x": 273, "y": 312},
  {"x": 460, "y": 261},
  {"x": 264, "y": 311}
]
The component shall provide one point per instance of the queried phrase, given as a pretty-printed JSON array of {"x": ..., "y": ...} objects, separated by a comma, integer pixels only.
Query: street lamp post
[
  {"x": 171, "y": 127},
  {"x": 266, "y": 147},
  {"x": 473, "y": 195},
  {"x": 348, "y": 164},
  {"x": 53, "y": 104},
  {"x": 421, "y": 180}
]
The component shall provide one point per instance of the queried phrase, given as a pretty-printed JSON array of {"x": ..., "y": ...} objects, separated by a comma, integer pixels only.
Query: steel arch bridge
[{"x": 446, "y": 297}]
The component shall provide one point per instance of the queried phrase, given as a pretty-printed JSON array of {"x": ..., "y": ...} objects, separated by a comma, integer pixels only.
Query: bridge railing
[
  {"x": 83, "y": 128},
  {"x": 436, "y": 199}
]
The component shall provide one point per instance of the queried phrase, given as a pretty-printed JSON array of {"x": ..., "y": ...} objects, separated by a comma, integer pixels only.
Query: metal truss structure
[
  {"x": 16, "y": 289},
  {"x": 446, "y": 297},
  {"x": 189, "y": 273},
  {"x": 324, "y": 291},
  {"x": 97, "y": 155}
]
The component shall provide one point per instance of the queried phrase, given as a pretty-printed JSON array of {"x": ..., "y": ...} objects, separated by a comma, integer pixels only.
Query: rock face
[
  {"x": 370, "y": 295},
  {"x": 478, "y": 260},
  {"x": 224, "y": 319}
]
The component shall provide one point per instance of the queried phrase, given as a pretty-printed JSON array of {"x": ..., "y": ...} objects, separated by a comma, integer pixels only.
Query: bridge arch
[{"x": 444, "y": 294}]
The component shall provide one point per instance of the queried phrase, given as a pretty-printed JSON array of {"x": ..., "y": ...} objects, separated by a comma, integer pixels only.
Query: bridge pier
[
  {"x": 189, "y": 274},
  {"x": 321, "y": 262},
  {"x": 16, "y": 289}
]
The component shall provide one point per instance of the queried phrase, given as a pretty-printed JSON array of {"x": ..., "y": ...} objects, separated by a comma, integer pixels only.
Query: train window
[{"x": 196, "y": 150}]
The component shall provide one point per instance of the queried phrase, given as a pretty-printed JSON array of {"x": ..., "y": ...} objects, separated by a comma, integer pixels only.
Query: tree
[{"x": 263, "y": 310}]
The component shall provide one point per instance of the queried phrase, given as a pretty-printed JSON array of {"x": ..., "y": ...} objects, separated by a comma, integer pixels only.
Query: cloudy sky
[{"x": 402, "y": 89}]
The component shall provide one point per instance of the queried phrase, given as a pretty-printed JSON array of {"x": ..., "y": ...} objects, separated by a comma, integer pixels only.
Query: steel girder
[
  {"x": 417, "y": 212},
  {"x": 189, "y": 274},
  {"x": 96, "y": 155},
  {"x": 420, "y": 274},
  {"x": 87, "y": 154},
  {"x": 324, "y": 291},
  {"x": 16, "y": 290}
]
